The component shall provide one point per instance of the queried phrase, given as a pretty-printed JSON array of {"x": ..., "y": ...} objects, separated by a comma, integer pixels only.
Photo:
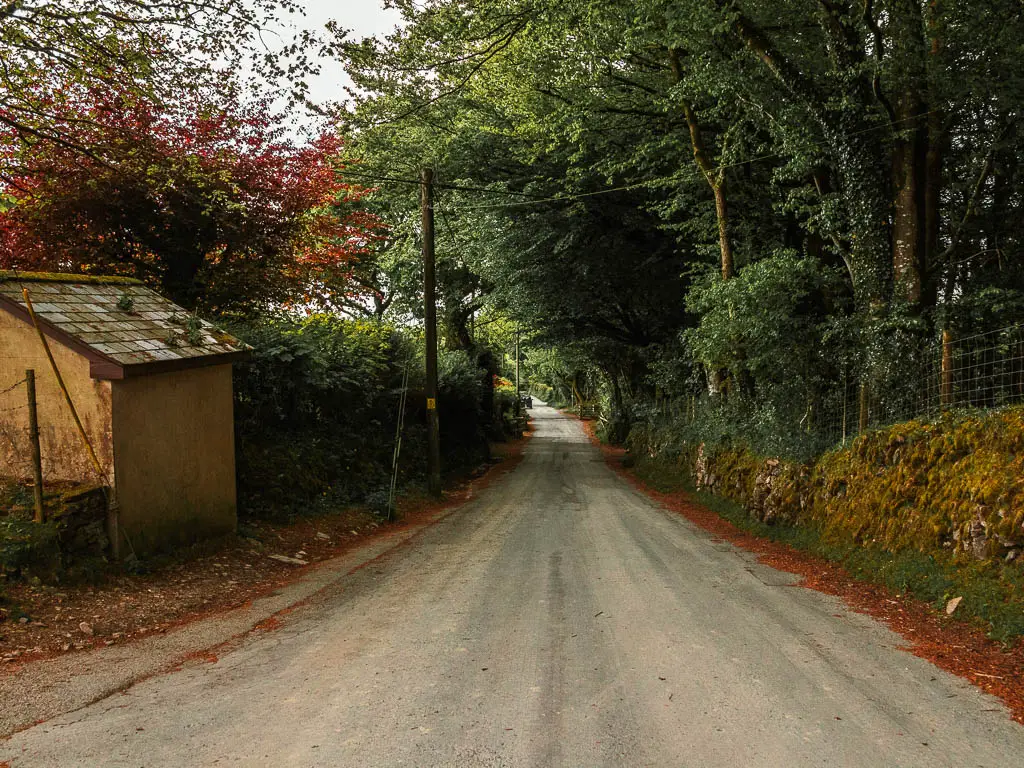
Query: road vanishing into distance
[{"x": 560, "y": 619}]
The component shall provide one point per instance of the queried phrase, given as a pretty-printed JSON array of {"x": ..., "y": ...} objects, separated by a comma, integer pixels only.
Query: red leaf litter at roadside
[
  {"x": 947, "y": 643},
  {"x": 126, "y": 608}
]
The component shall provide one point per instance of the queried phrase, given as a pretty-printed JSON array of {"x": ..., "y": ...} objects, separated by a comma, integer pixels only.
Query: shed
[{"x": 152, "y": 385}]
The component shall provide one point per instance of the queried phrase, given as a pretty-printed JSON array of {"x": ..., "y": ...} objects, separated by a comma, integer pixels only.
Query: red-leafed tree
[{"x": 212, "y": 204}]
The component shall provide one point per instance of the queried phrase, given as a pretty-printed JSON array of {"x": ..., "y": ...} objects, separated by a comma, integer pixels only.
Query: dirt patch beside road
[{"x": 47, "y": 620}]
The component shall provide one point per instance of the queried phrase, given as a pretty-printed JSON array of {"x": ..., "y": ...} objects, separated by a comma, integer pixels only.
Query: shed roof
[{"x": 123, "y": 327}]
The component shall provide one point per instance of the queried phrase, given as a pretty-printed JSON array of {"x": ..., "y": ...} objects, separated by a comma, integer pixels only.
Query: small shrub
[{"x": 28, "y": 548}]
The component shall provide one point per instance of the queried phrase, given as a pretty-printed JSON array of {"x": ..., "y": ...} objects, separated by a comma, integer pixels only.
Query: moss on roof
[
  {"x": 122, "y": 320},
  {"x": 64, "y": 277}
]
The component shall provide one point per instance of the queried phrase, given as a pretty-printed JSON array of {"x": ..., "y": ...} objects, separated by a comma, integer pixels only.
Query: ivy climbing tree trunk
[{"x": 858, "y": 163}]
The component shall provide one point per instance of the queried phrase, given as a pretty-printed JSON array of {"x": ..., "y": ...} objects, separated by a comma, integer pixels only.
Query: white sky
[{"x": 366, "y": 18}]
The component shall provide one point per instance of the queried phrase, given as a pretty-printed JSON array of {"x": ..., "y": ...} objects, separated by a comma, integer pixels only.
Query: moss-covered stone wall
[{"x": 955, "y": 485}]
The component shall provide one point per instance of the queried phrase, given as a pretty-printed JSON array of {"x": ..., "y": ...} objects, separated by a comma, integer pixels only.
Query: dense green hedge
[{"x": 316, "y": 409}]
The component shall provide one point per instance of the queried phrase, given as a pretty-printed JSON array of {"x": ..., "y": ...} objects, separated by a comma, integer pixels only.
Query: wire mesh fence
[
  {"x": 16, "y": 463},
  {"x": 981, "y": 371},
  {"x": 43, "y": 474},
  {"x": 920, "y": 380},
  {"x": 20, "y": 446}
]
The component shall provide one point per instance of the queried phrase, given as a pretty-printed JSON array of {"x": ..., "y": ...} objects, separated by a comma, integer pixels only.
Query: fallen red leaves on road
[{"x": 947, "y": 643}]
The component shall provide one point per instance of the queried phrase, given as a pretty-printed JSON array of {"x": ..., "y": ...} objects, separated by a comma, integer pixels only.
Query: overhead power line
[
  {"x": 437, "y": 185},
  {"x": 571, "y": 196}
]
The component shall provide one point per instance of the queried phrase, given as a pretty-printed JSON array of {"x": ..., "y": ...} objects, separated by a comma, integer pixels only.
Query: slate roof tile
[{"x": 87, "y": 308}]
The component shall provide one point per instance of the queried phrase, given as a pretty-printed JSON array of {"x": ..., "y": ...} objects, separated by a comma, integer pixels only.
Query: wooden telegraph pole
[
  {"x": 430, "y": 317},
  {"x": 518, "y": 401}
]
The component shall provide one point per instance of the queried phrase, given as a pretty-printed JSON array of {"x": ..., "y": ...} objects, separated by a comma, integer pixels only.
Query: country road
[{"x": 560, "y": 619}]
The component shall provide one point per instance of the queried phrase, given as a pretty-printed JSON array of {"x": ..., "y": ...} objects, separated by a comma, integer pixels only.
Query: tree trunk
[
  {"x": 724, "y": 240},
  {"x": 619, "y": 423},
  {"x": 934, "y": 166},
  {"x": 910, "y": 153},
  {"x": 908, "y": 209},
  {"x": 1004, "y": 170},
  {"x": 715, "y": 178}
]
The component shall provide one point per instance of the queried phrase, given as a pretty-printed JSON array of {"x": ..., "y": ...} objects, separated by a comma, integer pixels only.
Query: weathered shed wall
[
  {"x": 64, "y": 456},
  {"x": 174, "y": 456}
]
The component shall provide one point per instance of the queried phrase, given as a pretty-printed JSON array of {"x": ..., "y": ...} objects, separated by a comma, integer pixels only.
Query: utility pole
[
  {"x": 518, "y": 401},
  {"x": 37, "y": 455},
  {"x": 430, "y": 318}
]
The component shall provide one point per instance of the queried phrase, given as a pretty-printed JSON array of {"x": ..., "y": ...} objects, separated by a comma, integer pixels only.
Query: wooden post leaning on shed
[
  {"x": 37, "y": 453},
  {"x": 113, "y": 523},
  {"x": 430, "y": 321},
  {"x": 946, "y": 384}
]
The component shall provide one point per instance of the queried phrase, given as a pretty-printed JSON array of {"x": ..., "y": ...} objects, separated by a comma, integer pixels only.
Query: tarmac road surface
[{"x": 560, "y": 619}]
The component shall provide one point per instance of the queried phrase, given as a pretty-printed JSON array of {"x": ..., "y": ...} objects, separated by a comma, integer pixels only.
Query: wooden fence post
[
  {"x": 865, "y": 408},
  {"x": 37, "y": 454},
  {"x": 946, "y": 387}
]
